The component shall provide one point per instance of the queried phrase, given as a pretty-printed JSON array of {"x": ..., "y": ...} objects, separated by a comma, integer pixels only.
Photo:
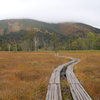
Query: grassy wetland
[
  {"x": 88, "y": 70},
  {"x": 25, "y": 75}
]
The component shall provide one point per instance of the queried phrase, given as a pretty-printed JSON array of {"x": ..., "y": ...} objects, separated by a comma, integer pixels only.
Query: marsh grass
[
  {"x": 65, "y": 90},
  {"x": 88, "y": 70},
  {"x": 25, "y": 75}
]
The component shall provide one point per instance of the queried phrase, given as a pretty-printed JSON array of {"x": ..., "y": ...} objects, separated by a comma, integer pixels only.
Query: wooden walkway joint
[{"x": 77, "y": 91}]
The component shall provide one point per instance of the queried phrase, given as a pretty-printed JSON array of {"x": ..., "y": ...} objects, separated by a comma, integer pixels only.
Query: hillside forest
[
  {"x": 32, "y": 35},
  {"x": 39, "y": 40}
]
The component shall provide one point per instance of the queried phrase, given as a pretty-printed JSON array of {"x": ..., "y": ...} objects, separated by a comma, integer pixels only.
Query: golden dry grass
[
  {"x": 25, "y": 75},
  {"x": 88, "y": 70}
]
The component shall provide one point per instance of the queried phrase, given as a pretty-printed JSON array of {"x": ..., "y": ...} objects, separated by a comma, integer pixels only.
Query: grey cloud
[{"x": 86, "y": 11}]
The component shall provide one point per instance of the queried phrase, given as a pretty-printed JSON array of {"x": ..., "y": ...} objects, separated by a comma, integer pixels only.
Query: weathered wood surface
[
  {"x": 54, "y": 91},
  {"x": 77, "y": 91}
]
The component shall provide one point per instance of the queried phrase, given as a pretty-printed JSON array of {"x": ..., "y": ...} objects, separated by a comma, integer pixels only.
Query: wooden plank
[
  {"x": 78, "y": 92},
  {"x": 54, "y": 91}
]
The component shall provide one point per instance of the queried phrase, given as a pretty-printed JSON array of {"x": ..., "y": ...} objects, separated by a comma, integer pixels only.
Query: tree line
[{"x": 38, "y": 40}]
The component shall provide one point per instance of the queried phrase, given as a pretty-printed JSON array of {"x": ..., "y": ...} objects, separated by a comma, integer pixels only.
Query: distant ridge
[{"x": 13, "y": 25}]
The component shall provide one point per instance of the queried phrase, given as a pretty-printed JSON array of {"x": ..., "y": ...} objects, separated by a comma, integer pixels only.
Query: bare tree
[
  {"x": 33, "y": 40},
  {"x": 55, "y": 43},
  {"x": 9, "y": 47}
]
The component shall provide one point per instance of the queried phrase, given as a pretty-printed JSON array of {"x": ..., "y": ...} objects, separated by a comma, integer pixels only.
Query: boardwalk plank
[
  {"x": 54, "y": 91},
  {"x": 77, "y": 90}
]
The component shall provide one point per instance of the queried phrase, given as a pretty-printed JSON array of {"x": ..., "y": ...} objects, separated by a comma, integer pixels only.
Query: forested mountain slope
[
  {"x": 13, "y": 25},
  {"x": 30, "y": 35}
]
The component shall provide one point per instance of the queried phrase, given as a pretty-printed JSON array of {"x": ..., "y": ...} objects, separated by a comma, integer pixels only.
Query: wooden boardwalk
[
  {"x": 54, "y": 91},
  {"x": 77, "y": 91}
]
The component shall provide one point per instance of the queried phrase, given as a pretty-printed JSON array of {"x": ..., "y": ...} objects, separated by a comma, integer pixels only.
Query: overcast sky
[{"x": 53, "y": 11}]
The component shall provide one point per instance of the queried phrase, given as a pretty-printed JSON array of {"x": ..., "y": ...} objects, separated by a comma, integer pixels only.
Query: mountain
[
  {"x": 14, "y": 25},
  {"x": 15, "y": 35},
  {"x": 77, "y": 28}
]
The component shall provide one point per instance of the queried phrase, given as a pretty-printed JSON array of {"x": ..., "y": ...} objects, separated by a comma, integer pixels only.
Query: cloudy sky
[{"x": 53, "y": 11}]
